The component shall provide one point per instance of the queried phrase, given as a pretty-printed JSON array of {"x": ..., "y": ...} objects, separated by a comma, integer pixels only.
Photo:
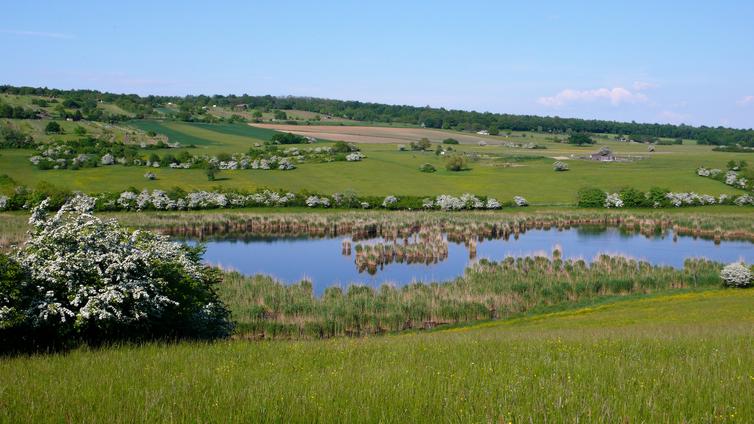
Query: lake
[{"x": 323, "y": 262}]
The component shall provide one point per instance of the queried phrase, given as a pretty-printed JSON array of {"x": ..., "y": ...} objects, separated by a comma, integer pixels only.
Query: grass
[
  {"x": 387, "y": 171},
  {"x": 265, "y": 308},
  {"x": 676, "y": 358}
]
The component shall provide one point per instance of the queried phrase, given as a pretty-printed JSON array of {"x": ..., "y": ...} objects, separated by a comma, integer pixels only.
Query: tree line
[{"x": 375, "y": 112}]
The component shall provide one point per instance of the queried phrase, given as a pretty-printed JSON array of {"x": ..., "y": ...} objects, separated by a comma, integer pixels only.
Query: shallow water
[{"x": 322, "y": 262}]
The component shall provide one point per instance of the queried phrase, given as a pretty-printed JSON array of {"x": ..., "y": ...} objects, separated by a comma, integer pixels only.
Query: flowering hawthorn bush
[
  {"x": 560, "y": 166},
  {"x": 520, "y": 201},
  {"x": 83, "y": 279},
  {"x": 736, "y": 275}
]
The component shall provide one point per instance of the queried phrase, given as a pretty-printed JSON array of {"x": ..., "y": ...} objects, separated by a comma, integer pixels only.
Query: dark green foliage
[
  {"x": 450, "y": 141},
  {"x": 288, "y": 138},
  {"x": 655, "y": 197},
  {"x": 580, "y": 139},
  {"x": 632, "y": 198},
  {"x": 280, "y": 115},
  {"x": 53, "y": 127},
  {"x": 427, "y": 167},
  {"x": 493, "y": 130},
  {"x": 343, "y": 147},
  {"x": 13, "y": 138},
  {"x": 16, "y": 112},
  {"x": 421, "y": 145},
  {"x": 212, "y": 170},
  {"x": 590, "y": 197}
]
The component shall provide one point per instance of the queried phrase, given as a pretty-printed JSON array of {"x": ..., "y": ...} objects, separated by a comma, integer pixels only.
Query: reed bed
[
  {"x": 393, "y": 225},
  {"x": 265, "y": 308}
]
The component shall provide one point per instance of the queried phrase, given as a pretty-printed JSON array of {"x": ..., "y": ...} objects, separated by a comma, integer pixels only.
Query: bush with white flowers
[
  {"x": 736, "y": 275},
  {"x": 150, "y": 176},
  {"x": 613, "y": 200},
  {"x": 3, "y": 202},
  {"x": 520, "y": 201},
  {"x": 389, "y": 202},
  {"x": 91, "y": 280},
  {"x": 560, "y": 166},
  {"x": 355, "y": 157},
  {"x": 107, "y": 159},
  {"x": 316, "y": 201}
]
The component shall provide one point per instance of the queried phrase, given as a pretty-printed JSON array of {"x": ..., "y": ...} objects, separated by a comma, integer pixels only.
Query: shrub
[
  {"x": 632, "y": 198},
  {"x": 520, "y": 201},
  {"x": 657, "y": 197},
  {"x": 52, "y": 127},
  {"x": 450, "y": 141},
  {"x": 590, "y": 197},
  {"x": 736, "y": 275},
  {"x": 343, "y": 147},
  {"x": 456, "y": 163},
  {"x": 81, "y": 279},
  {"x": 427, "y": 167},
  {"x": 288, "y": 138},
  {"x": 421, "y": 145},
  {"x": 389, "y": 202},
  {"x": 560, "y": 166},
  {"x": 580, "y": 139},
  {"x": 150, "y": 176}
]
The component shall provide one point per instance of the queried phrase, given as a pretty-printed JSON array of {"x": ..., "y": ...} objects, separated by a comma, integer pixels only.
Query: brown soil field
[{"x": 363, "y": 134}]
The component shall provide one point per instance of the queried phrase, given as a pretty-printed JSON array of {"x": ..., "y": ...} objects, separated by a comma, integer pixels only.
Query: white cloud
[
  {"x": 745, "y": 101},
  {"x": 643, "y": 85},
  {"x": 615, "y": 96},
  {"x": 38, "y": 34}
]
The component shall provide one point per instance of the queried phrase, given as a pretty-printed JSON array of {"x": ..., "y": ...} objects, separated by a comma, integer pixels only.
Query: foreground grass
[{"x": 683, "y": 357}]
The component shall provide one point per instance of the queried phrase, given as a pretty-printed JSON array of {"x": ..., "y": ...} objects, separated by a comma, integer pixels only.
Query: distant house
[
  {"x": 483, "y": 132},
  {"x": 604, "y": 155}
]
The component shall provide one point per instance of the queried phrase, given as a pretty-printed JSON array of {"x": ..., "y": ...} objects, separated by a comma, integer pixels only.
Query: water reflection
[{"x": 435, "y": 256}]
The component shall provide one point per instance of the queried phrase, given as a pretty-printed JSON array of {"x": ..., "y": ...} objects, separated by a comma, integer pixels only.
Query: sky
[{"x": 647, "y": 61}]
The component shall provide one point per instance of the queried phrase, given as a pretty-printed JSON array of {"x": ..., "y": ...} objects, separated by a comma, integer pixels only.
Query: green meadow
[
  {"x": 678, "y": 357},
  {"x": 499, "y": 171}
]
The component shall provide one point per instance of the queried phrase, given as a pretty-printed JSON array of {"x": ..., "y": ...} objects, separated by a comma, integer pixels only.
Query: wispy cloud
[
  {"x": 615, "y": 96},
  {"x": 745, "y": 101},
  {"x": 57, "y": 35}
]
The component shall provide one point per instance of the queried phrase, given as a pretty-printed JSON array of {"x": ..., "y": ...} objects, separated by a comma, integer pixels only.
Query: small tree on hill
[
  {"x": 53, "y": 127},
  {"x": 456, "y": 163},
  {"x": 580, "y": 139}
]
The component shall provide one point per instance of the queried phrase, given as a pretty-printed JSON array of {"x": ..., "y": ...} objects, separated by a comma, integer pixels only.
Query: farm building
[
  {"x": 604, "y": 155},
  {"x": 483, "y": 132}
]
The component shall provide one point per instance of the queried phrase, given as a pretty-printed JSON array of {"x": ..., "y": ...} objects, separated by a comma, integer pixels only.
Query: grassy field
[
  {"x": 683, "y": 357},
  {"x": 501, "y": 172}
]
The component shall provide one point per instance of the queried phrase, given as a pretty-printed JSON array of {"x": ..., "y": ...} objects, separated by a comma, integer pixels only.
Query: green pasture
[
  {"x": 683, "y": 357},
  {"x": 500, "y": 171}
]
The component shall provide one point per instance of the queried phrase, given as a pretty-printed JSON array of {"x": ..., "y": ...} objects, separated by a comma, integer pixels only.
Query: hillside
[{"x": 672, "y": 358}]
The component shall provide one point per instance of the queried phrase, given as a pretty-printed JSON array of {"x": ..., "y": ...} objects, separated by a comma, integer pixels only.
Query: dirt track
[{"x": 361, "y": 134}]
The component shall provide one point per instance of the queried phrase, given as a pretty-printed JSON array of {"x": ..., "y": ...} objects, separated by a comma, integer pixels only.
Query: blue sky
[{"x": 673, "y": 61}]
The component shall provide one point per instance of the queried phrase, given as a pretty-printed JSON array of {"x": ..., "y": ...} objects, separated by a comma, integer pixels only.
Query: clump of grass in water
[{"x": 265, "y": 308}]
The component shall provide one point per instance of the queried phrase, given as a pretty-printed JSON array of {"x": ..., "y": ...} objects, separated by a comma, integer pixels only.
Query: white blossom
[
  {"x": 389, "y": 201},
  {"x": 736, "y": 275},
  {"x": 520, "y": 201}
]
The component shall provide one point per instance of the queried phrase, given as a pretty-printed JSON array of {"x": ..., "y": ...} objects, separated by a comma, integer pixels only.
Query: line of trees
[{"x": 428, "y": 116}]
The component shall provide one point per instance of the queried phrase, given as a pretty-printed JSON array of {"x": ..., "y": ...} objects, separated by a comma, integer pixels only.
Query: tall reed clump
[{"x": 265, "y": 308}]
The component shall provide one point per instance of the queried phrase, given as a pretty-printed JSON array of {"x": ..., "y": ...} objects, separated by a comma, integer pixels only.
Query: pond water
[{"x": 321, "y": 260}]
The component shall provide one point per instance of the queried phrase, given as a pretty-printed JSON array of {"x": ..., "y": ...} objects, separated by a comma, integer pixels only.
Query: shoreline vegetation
[
  {"x": 264, "y": 308},
  {"x": 710, "y": 222}
]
